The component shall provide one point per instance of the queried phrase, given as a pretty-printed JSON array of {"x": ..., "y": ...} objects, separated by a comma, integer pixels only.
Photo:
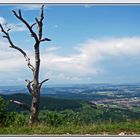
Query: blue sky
[{"x": 90, "y": 44}]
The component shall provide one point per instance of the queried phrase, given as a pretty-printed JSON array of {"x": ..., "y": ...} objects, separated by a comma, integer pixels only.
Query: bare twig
[
  {"x": 21, "y": 104},
  {"x": 40, "y": 23},
  {"x": 45, "y": 39},
  {"x": 43, "y": 82},
  {"x": 33, "y": 25},
  {"x": 37, "y": 20},
  {"x": 40, "y": 26}
]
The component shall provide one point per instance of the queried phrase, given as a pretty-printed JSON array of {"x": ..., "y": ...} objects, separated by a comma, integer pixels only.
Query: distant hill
[
  {"x": 49, "y": 103},
  {"x": 85, "y": 92}
]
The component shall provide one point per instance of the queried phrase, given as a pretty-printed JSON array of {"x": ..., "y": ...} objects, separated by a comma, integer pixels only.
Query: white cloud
[
  {"x": 28, "y": 6},
  {"x": 17, "y": 27},
  {"x": 84, "y": 63},
  {"x": 111, "y": 47},
  {"x": 74, "y": 67},
  {"x": 14, "y": 27},
  {"x": 10, "y": 59},
  {"x": 70, "y": 65},
  {"x": 52, "y": 49},
  {"x": 2, "y": 20}
]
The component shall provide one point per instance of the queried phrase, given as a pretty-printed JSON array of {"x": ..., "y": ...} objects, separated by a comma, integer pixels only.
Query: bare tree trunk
[
  {"x": 33, "y": 86},
  {"x": 34, "y": 110},
  {"x": 35, "y": 89}
]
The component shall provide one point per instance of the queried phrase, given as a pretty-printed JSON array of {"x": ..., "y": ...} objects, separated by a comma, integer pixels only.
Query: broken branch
[
  {"x": 29, "y": 86},
  {"x": 45, "y": 39},
  {"x": 21, "y": 104},
  {"x": 43, "y": 82},
  {"x": 40, "y": 23},
  {"x": 33, "y": 25}
]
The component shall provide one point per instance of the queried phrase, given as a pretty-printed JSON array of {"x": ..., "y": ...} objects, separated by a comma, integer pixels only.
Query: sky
[{"x": 89, "y": 44}]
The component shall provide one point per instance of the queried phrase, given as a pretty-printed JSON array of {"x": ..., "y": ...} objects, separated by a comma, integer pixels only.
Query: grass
[{"x": 128, "y": 128}]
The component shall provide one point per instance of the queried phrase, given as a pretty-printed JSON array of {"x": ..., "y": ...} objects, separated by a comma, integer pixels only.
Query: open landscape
[
  {"x": 80, "y": 65},
  {"x": 92, "y": 109}
]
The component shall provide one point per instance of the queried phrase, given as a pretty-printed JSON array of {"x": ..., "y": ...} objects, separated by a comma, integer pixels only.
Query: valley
[{"x": 126, "y": 96}]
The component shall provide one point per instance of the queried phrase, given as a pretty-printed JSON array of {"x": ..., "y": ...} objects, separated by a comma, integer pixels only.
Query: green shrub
[
  {"x": 52, "y": 118},
  {"x": 3, "y": 111},
  {"x": 20, "y": 120},
  {"x": 10, "y": 118}
]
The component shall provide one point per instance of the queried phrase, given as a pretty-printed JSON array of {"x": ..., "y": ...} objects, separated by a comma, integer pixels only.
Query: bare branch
[
  {"x": 15, "y": 13},
  {"x": 37, "y": 21},
  {"x": 29, "y": 86},
  {"x": 8, "y": 29},
  {"x": 6, "y": 35},
  {"x": 19, "y": 16},
  {"x": 29, "y": 64},
  {"x": 21, "y": 104},
  {"x": 43, "y": 82},
  {"x": 42, "y": 14},
  {"x": 33, "y": 25},
  {"x": 20, "y": 13},
  {"x": 3, "y": 30},
  {"x": 40, "y": 25},
  {"x": 40, "y": 22},
  {"x": 45, "y": 39}
]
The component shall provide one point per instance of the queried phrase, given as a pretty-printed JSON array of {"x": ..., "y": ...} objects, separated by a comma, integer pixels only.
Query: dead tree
[{"x": 33, "y": 85}]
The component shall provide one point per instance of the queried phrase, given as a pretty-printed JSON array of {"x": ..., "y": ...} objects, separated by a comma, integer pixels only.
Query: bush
[
  {"x": 3, "y": 111},
  {"x": 52, "y": 118},
  {"x": 21, "y": 120},
  {"x": 10, "y": 118}
]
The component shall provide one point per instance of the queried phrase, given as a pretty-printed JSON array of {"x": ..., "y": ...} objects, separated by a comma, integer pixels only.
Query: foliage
[
  {"x": 88, "y": 118},
  {"x": 3, "y": 111},
  {"x": 10, "y": 118},
  {"x": 86, "y": 115},
  {"x": 45, "y": 102}
]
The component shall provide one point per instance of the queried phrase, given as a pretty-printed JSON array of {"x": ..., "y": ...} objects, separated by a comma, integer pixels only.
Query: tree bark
[
  {"x": 35, "y": 89},
  {"x": 34, "y": 110}
]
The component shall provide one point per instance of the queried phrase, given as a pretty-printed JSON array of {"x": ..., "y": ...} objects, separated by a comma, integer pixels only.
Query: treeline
[{"x": 49, "y": 103}]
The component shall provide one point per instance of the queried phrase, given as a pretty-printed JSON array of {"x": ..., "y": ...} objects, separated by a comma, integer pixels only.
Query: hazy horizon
[{"x": 71, "y": 84}]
